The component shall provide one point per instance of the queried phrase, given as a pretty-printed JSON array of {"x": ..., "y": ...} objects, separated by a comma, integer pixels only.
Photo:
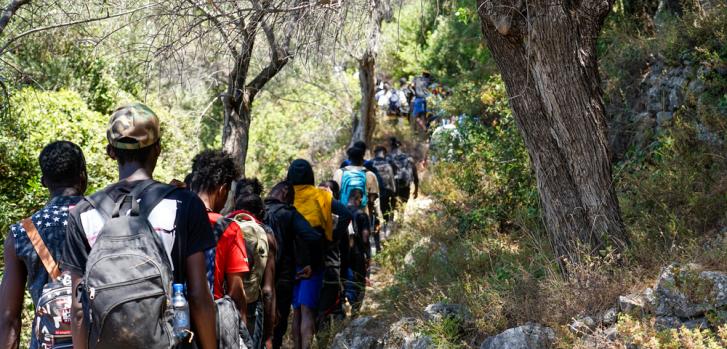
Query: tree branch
[
  {"x": 68, "y": 24},
  {"x": 9, "y": 12},
  {"x": 216, "y": 22}
]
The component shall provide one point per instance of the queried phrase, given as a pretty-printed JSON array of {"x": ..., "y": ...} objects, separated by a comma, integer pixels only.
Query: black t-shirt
[
  {"x": 181, "y": 215},
  {"x": 360, "y": 222}
]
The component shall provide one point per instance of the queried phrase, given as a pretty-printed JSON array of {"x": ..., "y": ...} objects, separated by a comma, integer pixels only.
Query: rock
[
  {"x": 685, "y": 291},
  {"x": 663, "y": 117},
  {"x": 582, "y": 325},
  {"x": 696, "y": 87},
  {"x": 667, "y": 322},
  {"x": 632, "y": 304},
  {"x": 439, "y": 311},
  {"x": 359, "y": 334},
  {"x": 403, "y": 334},
  {"x": 609, "y": 317},
  {"x": 676, "y": 96},
  {"x": 425, "y": 248},
  {"x": 530, "y": 336}
]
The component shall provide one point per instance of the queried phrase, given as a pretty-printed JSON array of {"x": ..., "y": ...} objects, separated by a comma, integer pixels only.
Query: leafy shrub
[{"x": 36, "y": 118}]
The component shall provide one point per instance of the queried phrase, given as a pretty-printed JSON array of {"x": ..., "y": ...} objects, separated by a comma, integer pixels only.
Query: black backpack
[
  {"x": 404, "y": 170},
  {"x": 127, "y": 288},
  {"x": 387, "y": 173}
]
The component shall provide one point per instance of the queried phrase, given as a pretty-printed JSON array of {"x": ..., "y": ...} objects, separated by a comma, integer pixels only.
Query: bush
[{"x": 36, "y": 118}]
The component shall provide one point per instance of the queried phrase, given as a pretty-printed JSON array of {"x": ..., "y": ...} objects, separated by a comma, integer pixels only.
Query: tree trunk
[
  {"x": 547, "y": 56},
  {"x": 365, "y": 121},
  {"x": 236, "y": 131}
]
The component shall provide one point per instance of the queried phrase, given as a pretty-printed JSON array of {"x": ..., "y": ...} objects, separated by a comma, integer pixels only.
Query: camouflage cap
[{"x": 133, "y": 126}]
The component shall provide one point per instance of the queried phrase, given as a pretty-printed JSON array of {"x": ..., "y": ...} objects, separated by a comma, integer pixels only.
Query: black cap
[{"x": 300, "y": 172}]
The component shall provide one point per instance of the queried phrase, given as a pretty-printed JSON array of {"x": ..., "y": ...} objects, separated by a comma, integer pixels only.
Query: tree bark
[
  {"x": 9, "y": 12},
  {"x": 365, "y": 122},
  {"x": 236, "y": 129},
  {"x": 546, "y": 53}
]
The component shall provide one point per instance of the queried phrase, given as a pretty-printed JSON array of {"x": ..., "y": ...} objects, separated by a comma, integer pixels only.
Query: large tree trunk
[
  {"x": 365, "y": 121},
  {"x": 547, "y": 56},
  {"x": 236, "y": 129}
]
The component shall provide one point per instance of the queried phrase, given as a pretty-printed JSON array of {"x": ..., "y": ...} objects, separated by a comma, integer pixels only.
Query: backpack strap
[
  {"x": 102, "y": 202},
  {"x": 220, "y": 226},
  {"x": 48, "y": 262}
]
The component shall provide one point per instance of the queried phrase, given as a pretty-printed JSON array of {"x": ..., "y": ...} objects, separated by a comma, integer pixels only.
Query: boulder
[
  {"x": 404, "y": 334},
  {"x": 361, "y": 333},
  {"x": 530, "y": 336},
  {"x": 439, "y": 311},
  {"x": 609, "y": 317},
  {"x": 425, "y": 248},
  {"x": 686, "y": 291}
]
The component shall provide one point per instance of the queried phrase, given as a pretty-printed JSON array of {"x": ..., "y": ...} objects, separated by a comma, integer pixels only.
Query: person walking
[
  {"x": 33, "y": 248},
  {"x": 174, "y": 233}
]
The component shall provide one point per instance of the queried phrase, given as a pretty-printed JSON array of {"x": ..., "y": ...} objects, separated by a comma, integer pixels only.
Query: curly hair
[
  {"x": 251, "y": 185},
  {"x": 62, "y": 163},
  {"x": 212, "y": 169}
]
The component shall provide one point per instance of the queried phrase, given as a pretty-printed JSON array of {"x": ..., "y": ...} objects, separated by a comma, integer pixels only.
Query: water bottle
[{"x": 181, "y": 313}]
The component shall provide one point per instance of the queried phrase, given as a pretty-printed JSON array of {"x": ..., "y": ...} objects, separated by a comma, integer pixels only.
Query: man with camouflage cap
[{"x": 179, "y": 218}]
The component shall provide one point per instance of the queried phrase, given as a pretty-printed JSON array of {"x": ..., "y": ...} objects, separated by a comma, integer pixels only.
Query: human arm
[
  {"x": 268, "y": 292},
  {"x": 11, "y": 296},
  {"x": 236, "y": 291},
  {"x": 202, "y": 309},
  {"x": 79, "y": 331}
]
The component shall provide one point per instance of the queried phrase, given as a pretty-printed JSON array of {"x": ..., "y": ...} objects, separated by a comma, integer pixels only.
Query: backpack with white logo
[
  {"x": 127, "y": 288},
  {"x": 353, "y": 179},
  {"x": 53, "y": 311}
]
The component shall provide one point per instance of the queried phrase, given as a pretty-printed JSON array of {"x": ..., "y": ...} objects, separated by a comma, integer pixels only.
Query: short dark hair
[
  {"x": 62, "y": 163},
  {"x": 284, "y": 185},
  {"x": 250, "y": 202},
  {"x": 355, "y": 154},
  {"x": 361, "y": 145},
  {"x": 141, "y": 156},
  {"x": 212, "y": 169},
  {"x": 333, "y": 185},
  {"x": 380, "y": 148},
  {"x": 252, "y": 185}
]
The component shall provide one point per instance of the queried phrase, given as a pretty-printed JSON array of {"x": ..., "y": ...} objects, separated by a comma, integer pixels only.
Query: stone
[
  {"x": 403, "y": 334},
  {"x": 667, "y": 322},
  {"x": 663, "y": 117},
  {"x": 686, "y": 291},
  {"x": 696, "y": 87},
  {"x": 676, "y": 97},
  {"x": 425, "y": 248},
  {"x": 582, "y": 325},
  {"x": 361, "y": 333},
  {"x": 529, "y": 336},
  {"x": 633, "y": 303},
  {"x": 609, "y": 317},
  {"x": 439, "y": 311}
]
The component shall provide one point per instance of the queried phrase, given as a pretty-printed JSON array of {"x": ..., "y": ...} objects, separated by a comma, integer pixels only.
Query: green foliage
[
  {"x": 444, "y": 38},
  {"x": 293, "y": 118},
  {"x": 58, "y": 61},
  {"x": 37, "y": 118}
]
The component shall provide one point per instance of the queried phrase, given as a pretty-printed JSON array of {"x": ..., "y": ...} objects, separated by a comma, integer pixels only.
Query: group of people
[
  {"x": 100, "y": 268},
  {"x": 410, "y": 99}
]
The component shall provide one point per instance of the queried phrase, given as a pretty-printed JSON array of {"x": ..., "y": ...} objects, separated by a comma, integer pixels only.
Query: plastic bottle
[{"x": 181, "y": 313}]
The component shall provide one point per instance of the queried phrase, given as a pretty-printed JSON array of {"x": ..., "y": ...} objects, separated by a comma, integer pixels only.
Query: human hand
[
  {"x": 304, "y": 273},
  {"x": 177, "y": 183}
]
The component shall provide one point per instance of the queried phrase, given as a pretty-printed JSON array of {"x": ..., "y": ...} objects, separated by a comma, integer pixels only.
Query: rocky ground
[{"x": 684, "y": 296}]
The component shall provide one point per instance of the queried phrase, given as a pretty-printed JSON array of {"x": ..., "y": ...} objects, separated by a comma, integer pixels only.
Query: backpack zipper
[{"x": 92, "y": 290}]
